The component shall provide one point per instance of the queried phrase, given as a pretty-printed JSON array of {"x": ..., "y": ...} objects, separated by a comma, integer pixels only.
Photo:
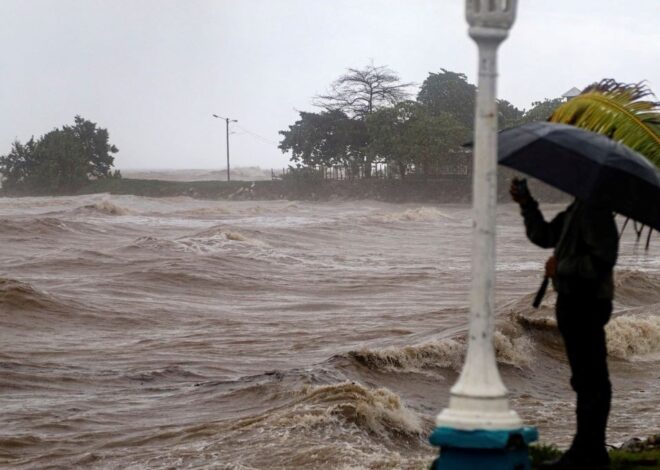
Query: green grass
[
  {"x": 542, "y": 453},
  {"x": 643, "y": 460},
  {"x": 621, "y": 459}
]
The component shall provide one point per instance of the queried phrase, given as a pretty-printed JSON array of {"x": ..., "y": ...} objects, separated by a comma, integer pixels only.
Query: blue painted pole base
[{"x": 483, "y": 449}]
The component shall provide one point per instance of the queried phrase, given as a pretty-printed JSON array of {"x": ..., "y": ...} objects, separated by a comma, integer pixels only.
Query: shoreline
[{"x": 410, "y": 190}]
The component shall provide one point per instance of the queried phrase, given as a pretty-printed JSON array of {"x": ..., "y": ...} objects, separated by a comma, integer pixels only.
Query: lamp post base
[
  {"x": 470, "y": 413},
  {"x": 483, "y": 449}
]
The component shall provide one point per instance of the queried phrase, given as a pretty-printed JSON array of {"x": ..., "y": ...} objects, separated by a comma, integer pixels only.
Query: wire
[{"x": 260, "y": 138}]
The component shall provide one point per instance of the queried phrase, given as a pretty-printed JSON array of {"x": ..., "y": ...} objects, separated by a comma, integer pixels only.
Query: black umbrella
[{"x": 587, "y": 165}]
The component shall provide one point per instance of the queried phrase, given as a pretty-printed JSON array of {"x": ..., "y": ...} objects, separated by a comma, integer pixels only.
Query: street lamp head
[{"x": 490, "y": 19}]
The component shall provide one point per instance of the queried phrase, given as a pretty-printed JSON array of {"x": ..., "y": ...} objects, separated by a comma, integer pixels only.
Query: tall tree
[
  {"x": 360, "y": 92},
  {"x": 450, "y": 92}
]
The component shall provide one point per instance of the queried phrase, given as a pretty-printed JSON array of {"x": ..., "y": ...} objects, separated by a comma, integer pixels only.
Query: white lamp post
[{"x": 479, "y": 398}]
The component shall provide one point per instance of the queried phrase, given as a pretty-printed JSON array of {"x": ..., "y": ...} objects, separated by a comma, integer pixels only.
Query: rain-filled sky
[{"x": 154, "y": 71}]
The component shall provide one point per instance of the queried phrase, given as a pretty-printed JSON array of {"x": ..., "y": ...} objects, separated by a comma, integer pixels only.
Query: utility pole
[{"x": 227, "y": 121}]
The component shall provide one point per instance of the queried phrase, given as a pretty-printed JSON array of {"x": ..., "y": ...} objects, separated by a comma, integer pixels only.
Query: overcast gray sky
[{"x": 153, "y": 71}]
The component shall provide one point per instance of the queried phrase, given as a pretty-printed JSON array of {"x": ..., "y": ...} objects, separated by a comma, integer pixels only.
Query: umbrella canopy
[{"x": 587, "y": 165}]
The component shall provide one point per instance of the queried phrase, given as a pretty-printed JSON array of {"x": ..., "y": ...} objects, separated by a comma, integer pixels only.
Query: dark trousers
[{"x": 581, "y": 320}]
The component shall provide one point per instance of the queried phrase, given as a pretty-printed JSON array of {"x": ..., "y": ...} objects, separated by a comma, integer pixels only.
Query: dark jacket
[{"x": 585, "y": 239}]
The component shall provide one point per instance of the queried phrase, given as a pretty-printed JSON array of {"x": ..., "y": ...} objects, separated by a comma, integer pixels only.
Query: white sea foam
[
  {"x": 633, "y": 337},
  {"x": 420, "y": 214},
  {"x": 376, "y": 410},
  {"x": 107, "y": 207},
  {"x": 445, "y": 353}
]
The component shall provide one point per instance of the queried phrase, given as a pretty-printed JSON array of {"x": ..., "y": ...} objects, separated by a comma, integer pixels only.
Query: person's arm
[
  {"x": 541, "y": 233},
  {"x": 600, "y": 241}
]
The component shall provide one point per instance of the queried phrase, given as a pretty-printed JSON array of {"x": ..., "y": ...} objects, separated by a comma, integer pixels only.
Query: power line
[{"x": 259, "y": 137}]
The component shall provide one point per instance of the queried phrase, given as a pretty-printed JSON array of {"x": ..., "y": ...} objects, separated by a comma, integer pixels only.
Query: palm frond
[{"x": 619, "y": 111}]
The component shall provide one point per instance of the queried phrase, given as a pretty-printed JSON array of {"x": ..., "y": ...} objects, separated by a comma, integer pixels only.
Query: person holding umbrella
[
  {"x": 607, "y": 174},
  {"x": 585, "y": 242}
]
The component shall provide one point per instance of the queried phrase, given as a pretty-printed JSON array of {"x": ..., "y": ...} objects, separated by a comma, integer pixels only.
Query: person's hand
[
  {"x": 551, "y": 267},
  {"x": 516, "y": 195}
]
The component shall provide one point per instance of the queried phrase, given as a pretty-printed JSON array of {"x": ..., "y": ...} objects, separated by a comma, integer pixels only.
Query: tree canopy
[
  {"x": 365, "y": 118},
  {"x": 61, "y": 161},
  {"x": 328, "y": 138},
  {"x": 360, "y": 92},
  {"x": 407, "y": 135},
  {"x": 541, "y": 110},
  {"x": 450, "y": 92}
]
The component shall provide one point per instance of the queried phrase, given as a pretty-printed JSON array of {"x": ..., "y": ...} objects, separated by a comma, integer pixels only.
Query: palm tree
[{"x": 619, "y": 111}]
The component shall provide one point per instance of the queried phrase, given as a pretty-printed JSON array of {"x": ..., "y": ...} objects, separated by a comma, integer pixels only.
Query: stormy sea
[{"x": 180, "y": 333}]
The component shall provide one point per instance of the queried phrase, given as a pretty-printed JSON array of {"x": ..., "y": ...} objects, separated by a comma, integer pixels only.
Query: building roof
[{"x": 572, "y": 93}]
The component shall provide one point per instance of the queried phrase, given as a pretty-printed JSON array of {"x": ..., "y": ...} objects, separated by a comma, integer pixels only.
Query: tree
[
  {"x": 61, "y": 161},
  {"x": 541, "y": 110},
  {"x": 96, "y": 146},
  {"x": 507, "y": 114},
  {"x": 451, "y": 93},
  {"x": 618, "y": 110},
  {"x": 16, "y": 164},
  {"x": 360, "y": 92},
  {"x": 328, "y": 138},
  {"x": 407, "y": 135}
]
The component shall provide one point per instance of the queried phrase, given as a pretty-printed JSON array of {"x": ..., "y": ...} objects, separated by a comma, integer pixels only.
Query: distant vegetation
[
  {"x": 60, "y": 162},
  {"x": 367, "y": 119}
]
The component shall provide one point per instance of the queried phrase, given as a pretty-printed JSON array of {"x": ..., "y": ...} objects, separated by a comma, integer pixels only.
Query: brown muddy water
[{"x": 177, "y": 333}]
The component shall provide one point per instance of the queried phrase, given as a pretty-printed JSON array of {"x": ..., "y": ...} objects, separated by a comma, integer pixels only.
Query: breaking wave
[
  {"x": 633, "y": 337},
  {"x": 373, "y": 410},
  {"x": 446, "y": 353},
  {"x": 376, "y": 410},
  {"x": 420, "y": 214},
  {"x": 213, "y": 240},
  {"x": 206, "y": 242},
  {"x": 107, "y": 207}
]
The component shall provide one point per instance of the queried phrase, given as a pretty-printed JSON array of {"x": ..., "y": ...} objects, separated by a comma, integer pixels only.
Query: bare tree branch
[{"x": 360, "y": 92}]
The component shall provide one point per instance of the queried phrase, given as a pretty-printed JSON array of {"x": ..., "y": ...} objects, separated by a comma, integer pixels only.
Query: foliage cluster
[
  {"x": 61, "y": 161},
  {"x": 368, "y": 117},
  {"x": 621, "y": 111}
]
